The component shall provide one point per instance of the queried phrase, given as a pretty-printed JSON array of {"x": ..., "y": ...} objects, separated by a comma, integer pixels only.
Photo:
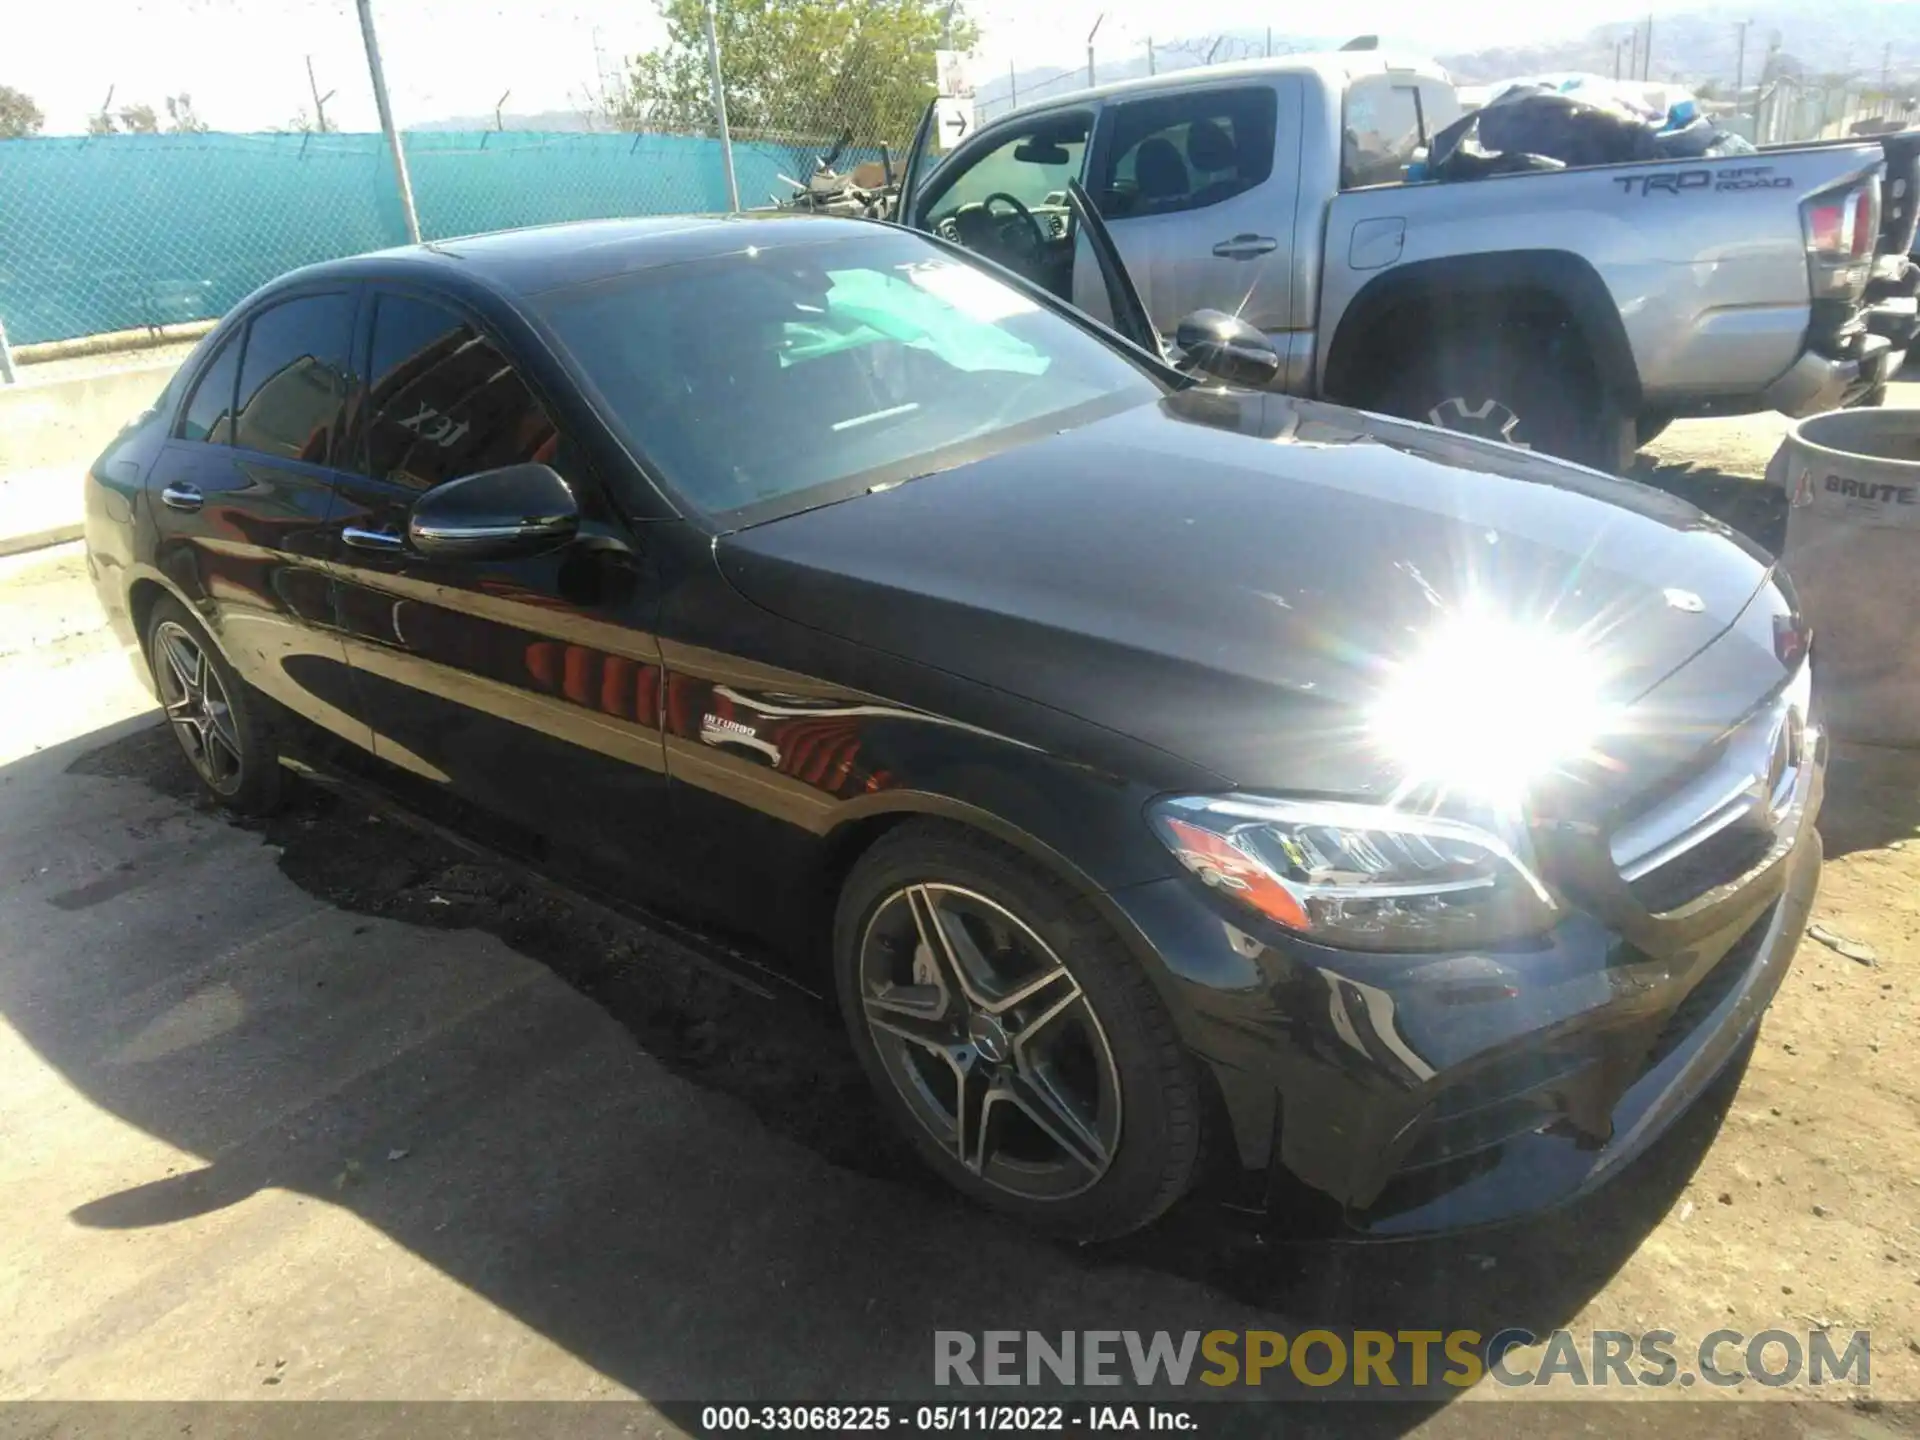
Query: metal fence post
[
  {"x": 7, "y": 375},
  {"x": 386, "y": 119},
  {"x": 720, "y": 110}
]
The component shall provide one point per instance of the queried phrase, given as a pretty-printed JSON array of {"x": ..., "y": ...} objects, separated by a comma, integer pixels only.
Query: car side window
[
  {"x": 293, "y": 378},
  {"x": 1382, "y": 130},
  {"x": 443, "y": 401},
  {"x": 1187, "y": 151},
  {"x": 209, "y": 411}
]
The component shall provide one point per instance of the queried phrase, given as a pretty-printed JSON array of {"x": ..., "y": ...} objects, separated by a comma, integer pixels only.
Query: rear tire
[
  {"x": 1650, "y": 427},
  {"x": 1088, "y": 1120},
  {"x": 217, "y": 719},
  {"x": 1519, "y": 387}
]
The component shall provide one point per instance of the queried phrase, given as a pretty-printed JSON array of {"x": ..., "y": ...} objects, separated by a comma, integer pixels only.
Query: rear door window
[
  {"x": 1385, "y": 125},
  {"x": 1187, "y": 151},
  {"x": 443, "y": 401},
  {"x": 293, "y": 378},
  {"x": 209, "y": 413}
]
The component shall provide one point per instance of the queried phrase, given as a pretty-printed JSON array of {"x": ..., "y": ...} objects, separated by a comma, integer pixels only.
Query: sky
[{"x": 244, "y": 61}]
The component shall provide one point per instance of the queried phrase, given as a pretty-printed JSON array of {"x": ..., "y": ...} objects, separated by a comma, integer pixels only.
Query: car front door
[
  {"x": 1003, "y": 195},
  {"x": 243, "y": 492},
  {"x": 529, "y": 686},
  {"x": 1198, "y": 187}
]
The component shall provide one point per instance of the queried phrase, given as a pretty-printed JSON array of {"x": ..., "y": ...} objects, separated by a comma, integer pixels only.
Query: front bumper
[{"x": 1430, "y": 1093}]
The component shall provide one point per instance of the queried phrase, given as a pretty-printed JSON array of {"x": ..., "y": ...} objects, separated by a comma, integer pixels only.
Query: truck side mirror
[{"x": 1227, "y": 348}]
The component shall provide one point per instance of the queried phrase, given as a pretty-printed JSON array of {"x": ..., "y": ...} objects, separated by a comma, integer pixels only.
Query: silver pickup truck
[{"x": 1577, "y": 311}]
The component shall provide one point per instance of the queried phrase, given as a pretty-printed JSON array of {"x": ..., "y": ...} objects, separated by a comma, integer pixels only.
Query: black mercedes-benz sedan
[{"x": 1151, "y": 767}]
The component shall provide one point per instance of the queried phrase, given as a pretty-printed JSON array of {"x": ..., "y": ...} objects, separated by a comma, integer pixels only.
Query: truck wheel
[
  {"x": 1517, "y": 391},
  {"x": 1650, "y": 427}
]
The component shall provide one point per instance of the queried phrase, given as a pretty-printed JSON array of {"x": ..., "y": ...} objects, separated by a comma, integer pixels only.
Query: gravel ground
[{"x": 1789, "y": 1200}]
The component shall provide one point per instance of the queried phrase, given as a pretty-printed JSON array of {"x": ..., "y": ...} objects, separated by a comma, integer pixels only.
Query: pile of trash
[{"x": 1561, "y": 122}]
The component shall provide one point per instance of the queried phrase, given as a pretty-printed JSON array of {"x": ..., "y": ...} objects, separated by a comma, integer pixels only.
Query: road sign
[
  {"x": 952, "y": 74},
  {"x": 953, "y": 120}
]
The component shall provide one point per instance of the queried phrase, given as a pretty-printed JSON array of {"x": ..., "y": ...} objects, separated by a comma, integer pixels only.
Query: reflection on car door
[
  {"x": 530, "y": 686},
  {"x": 1198, "y": 187},
  {"x": 242, "y": 495}
]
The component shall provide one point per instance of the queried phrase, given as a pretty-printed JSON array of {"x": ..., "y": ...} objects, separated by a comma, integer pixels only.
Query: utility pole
[
  {"x": 319, "y": 100},
  {"x": 720, "y": 107},
  {"x": 1269, "y": 42},
  {"x": 1090, "y": 34},
  {"x": 1013, "y": 88},
  {"x": 1646, "y": 53},
  {"x": 1740, "y": 65},
  {"x": 1633, "y": 53},
  {"x": 1150, "y": 69},
  {"x": 380, "y": 101}
]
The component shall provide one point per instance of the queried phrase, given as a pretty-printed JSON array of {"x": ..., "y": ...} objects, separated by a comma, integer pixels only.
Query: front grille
[
  {"x": 1720, "y": 822},
  {"x": 1719, "y": 860}
]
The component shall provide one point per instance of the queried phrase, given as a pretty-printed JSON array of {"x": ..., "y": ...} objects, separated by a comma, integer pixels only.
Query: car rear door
[
  {"x": 529, "y": 686},
  {"x": 1198, "y": 186},
  {"x": 242, "y": 495}
]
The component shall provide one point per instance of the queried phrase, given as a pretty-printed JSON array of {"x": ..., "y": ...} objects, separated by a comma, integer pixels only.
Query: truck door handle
[
  {"x": 385, "y": 540},
  {"x": 1246, "y": 247},
  {"x": 182, "y": 497}
]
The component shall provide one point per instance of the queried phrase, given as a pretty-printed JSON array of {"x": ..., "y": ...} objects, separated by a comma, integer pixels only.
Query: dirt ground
[{"x": 1789, "y": 1200}]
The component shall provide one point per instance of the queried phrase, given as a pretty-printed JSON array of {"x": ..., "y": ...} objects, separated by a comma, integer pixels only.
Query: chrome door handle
[
  {"x": 385, "y": 540},
  {"x": 182, "y": 497},
  {"x": 1245, "y": 247}
]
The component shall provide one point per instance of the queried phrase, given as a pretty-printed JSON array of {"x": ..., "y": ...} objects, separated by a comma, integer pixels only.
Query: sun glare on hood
[{"x": 1487, "y": 705}]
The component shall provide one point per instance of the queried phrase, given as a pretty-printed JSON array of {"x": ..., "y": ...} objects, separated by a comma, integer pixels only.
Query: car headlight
[{"x": 1358, "y": 876}]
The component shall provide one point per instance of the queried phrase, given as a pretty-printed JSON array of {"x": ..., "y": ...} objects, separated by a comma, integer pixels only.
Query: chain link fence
[{"x": 112, "y": 232}]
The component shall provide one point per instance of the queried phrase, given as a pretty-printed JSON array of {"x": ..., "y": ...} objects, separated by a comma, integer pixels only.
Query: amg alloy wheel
[
  {"x": 211, "y": 712},
  {"x": 1017, "y": 1043},
  {"x": 990, "y": 1041}
]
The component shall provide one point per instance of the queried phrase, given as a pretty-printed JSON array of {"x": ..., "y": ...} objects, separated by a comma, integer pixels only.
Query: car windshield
[{"x": 771, "y": 380}]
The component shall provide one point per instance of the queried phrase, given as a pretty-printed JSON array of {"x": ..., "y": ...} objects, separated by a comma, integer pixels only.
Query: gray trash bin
[{"x": 1853, "y": 551}]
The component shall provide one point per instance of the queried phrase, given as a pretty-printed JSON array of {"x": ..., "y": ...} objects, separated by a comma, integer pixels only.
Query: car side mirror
[
  {"x": 1227, "y": 348},
  {"x": 495, "y": 515}
]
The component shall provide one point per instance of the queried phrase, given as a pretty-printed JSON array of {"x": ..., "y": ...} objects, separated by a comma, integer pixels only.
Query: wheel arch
[
  {"x": 1477, "y": 290},
  {"x": 862, "y": 823},
  {"x": 146, "y": 590}
]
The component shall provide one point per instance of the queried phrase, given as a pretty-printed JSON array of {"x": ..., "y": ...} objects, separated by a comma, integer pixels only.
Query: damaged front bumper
[{"x": 1431, "y": 1093}]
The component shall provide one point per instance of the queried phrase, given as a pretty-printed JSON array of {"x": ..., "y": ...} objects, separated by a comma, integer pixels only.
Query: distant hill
[{"x": 1808, "y": 38}]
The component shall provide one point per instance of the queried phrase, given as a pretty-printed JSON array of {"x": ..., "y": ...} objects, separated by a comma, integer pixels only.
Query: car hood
[{"x": 1231, "y": 577}]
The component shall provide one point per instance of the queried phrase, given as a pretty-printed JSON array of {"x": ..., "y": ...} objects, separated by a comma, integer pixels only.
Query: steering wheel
[{"x": 1036, "y": 237}]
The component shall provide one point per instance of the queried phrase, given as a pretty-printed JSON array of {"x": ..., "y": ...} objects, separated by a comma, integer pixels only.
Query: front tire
[
  {"x": 1011, "y": 1037},
  {"x": 212, "y": 713},
  {"x": 1515, "y": 386}
]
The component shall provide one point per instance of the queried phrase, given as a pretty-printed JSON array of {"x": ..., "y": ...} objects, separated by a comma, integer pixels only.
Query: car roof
[{"x": 550, "y": 257}]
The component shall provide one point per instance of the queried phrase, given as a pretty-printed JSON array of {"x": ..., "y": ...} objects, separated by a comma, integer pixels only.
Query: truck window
[
  {"x": 1032, "y": 165},
  {"x": 1383, "y": 129},
  {"x": 1186, "y": 151}
]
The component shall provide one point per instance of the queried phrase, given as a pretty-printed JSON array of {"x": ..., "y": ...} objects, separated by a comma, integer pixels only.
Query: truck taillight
[
  {"x": 1841, "y": 230},
  {"x": 1866, "y": 220},
  {"x": 1826, "y": 223}
]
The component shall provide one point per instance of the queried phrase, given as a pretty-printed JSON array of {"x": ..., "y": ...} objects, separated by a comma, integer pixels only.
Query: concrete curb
[{"x": 38, "y": 539}]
